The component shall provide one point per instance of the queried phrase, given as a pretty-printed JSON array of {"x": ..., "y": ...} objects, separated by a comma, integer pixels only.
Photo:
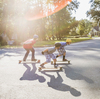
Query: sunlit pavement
[{"x": 78, "y": 80}]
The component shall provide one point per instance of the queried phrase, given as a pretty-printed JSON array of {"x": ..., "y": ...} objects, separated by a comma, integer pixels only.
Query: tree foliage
[
  {"x": 84, "y": 27},
  {"x": 94, "y": 12},
  {"x": 13, "y": 20}
]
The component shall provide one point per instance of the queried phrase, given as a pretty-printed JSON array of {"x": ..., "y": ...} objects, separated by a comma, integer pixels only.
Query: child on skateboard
[
  {"x": 49, "y": 54},
  {"x": 61, "y": 50},
  {"x": 28, "y": 46}
]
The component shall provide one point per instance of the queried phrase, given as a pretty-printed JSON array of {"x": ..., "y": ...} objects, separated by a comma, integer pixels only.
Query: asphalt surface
[{"x": 78, "y": 80}]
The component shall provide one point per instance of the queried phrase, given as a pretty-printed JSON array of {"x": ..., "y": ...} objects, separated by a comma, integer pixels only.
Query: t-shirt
[
  {"x": 50, "y": 50},
  {"x": 29, "y": 44},
  {"x": 63, "y": 44}
]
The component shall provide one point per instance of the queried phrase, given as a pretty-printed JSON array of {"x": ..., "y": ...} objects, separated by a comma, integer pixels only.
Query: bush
[
  {"x": 1, "y": 39},
  {"x": 16, "y": 42},
  {"x": 77, "y": 36},
  {"x": 3, "y": 42}
]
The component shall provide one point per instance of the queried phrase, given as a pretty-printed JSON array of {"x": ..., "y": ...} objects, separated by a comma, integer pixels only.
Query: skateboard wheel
[
  {"x": 68, "y": 62},
  {"x": 61, "y": 68},
  {"x": 52, "y": 62}
]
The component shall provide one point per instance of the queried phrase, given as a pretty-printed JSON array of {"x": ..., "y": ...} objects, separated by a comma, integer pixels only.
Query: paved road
[{"x": 78, "y": 80}]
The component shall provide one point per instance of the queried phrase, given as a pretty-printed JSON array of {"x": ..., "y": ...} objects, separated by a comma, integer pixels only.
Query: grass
[{"x": 49, "y": 43}]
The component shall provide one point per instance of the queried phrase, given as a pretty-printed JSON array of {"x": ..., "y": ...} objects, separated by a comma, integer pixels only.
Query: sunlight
[{"x": 45, "y": 9}]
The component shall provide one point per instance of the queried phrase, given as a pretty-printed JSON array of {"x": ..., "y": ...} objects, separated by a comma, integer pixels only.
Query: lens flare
[{"x": 44, "y": 9}]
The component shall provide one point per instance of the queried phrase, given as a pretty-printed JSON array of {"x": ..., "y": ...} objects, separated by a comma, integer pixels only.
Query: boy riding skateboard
[
  {"x": 28, "y": 46},
  {"x": 49, "y": 54},
  {"x": 61, "y": 50}
]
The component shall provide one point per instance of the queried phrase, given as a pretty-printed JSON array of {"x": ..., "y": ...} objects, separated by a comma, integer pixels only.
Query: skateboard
[
  {"x": 61, "y": 62},
  {"x": 51, "y": 68},
  {"x": 29, "y": 61}
]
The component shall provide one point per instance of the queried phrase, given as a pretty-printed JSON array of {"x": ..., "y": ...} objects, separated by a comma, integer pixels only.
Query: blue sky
[{"x": 81, "y": 11}]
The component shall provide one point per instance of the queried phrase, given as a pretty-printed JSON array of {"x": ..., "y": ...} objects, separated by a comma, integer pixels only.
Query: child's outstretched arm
[{"x": 46, "y": 50}]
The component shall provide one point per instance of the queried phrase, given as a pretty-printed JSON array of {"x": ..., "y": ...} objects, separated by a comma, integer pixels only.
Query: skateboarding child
[
  {"x": 49, "y": 54},
  {"x": 28, "y": 46},
  {"x": 61, "y": 50}
]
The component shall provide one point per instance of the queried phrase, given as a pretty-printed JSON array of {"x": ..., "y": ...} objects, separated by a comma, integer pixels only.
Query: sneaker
[
  {"x": 42, "y": 66},
  {"x": 64, "y": 59},
  {"x": 34, "y": 59},
  {"x": 55, "y": 66}
]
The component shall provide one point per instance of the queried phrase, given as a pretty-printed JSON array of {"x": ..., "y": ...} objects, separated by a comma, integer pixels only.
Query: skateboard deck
[
  {"x": 29, "y": 61},
  {"x": 50, "y": 68},
  {"x": 68, "y": 61}
]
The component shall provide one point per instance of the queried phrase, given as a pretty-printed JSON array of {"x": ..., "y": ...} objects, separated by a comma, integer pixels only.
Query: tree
[
  {"x": 73, "y": 5},
  {"x": 84, "y": 27},
  {"x": 62, "y": 21},
  {"x": 13, "y": 19},
  {"x": 74, "y": 24},
  {"x": 94, "y": 12}
]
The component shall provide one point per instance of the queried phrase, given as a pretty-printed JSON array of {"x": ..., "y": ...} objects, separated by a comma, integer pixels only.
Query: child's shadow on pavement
[
  {"x": 57, "y": 84},
  {"x": 72, "y": 74},
  {"x": 31, "y": 75}
]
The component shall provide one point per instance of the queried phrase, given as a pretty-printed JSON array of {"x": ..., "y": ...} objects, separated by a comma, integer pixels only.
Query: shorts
[
  {"x": 49, "y": 56},
  {"x": 61, "y": 51}
]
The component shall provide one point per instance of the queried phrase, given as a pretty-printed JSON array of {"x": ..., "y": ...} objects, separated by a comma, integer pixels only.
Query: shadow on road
[
  {"x": 57, "y": 84},
  {"x": 72, "y": 74},
  {"x": 31, "y": 75}
]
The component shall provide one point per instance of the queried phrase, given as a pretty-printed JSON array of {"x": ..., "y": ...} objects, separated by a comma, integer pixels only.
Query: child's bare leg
[
  {"x": 64, "y": 54},
  {"x": 48, "y": 59},
  {"x": 42, "y": 65},
  {"x": 58, "y": 56},
  {"x": 54, "y": 61}
]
